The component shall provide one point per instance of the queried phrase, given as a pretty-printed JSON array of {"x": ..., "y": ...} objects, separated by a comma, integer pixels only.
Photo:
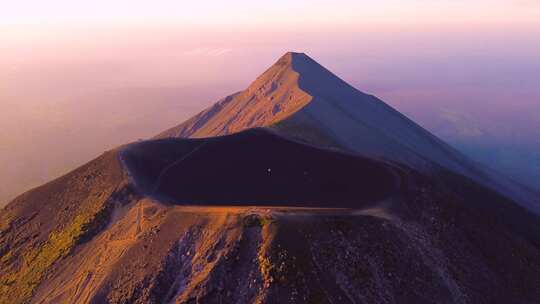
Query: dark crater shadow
[{"x": 255, "y": 167}]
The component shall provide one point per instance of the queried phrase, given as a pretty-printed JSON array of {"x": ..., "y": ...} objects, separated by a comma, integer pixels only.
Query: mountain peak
[
  {"x": 290, "y": 56},
  {"x": 287, "y": 86},
  {"x": 311, "y": 77},
  {"x": 298, "y": 71},
  {"x": 293, "y": 58}
]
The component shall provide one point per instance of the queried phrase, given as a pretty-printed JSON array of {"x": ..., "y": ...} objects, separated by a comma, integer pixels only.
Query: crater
[{"x": 255, "y": 168}]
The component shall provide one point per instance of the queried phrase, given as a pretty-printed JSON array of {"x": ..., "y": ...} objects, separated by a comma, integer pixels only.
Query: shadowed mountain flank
[{"x": 257, "y": 167}]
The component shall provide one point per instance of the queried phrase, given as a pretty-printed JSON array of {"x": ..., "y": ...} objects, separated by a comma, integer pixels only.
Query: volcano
[
  {"x": 298, "y": 189},
  {"x": 299, "y": 98}
]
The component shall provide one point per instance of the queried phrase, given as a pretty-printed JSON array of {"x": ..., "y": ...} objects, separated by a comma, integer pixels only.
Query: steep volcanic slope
[
  {"x": 42, "y": 226},
  {"x": 300, "y": 98},
  {"x": 113, "y": 241},
  {"x": 273, "y": 96}
]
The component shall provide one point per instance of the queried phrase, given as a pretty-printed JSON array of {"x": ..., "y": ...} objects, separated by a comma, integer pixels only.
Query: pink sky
[{"x": 305, "y": 13}]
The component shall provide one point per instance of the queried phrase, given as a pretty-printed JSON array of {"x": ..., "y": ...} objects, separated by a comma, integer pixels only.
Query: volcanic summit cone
[{"x": 299, "y": 98}]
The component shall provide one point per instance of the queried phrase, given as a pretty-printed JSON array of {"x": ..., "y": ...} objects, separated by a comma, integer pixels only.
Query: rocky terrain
[{"x": 288, "y": 204}]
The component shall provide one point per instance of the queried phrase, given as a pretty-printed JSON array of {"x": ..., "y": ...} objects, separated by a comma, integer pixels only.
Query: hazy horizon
[{"x": 79, "y": 80}]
